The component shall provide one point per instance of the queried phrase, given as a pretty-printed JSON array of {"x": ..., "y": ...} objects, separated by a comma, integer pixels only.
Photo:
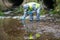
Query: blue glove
[{"x": 30, "y": 12}]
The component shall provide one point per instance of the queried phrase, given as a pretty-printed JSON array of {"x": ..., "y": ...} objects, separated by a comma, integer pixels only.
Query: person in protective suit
[{"x": 30, "y": 9}]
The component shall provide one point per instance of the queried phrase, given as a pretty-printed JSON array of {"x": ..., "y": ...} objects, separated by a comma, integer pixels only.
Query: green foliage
[
  {"x": 1, "y": 13},
  {"x": 42, "y": 12},
  {"x": 21, "y": 9},
  {"x": 57, "y": 9}
]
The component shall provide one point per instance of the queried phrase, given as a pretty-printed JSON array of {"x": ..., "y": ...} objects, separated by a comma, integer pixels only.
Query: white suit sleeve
[{"x": 25, "y": 14}]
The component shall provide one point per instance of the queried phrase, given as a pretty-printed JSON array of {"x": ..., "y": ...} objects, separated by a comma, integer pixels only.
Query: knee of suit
[
  {"x": 31, "y": 17},
  {"x": 38, "y": 16},
  {"x": 31, "y": 20}
]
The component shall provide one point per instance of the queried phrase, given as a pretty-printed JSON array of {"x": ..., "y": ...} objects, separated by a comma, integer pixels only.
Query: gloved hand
[{"x": 30, "y": 12}]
